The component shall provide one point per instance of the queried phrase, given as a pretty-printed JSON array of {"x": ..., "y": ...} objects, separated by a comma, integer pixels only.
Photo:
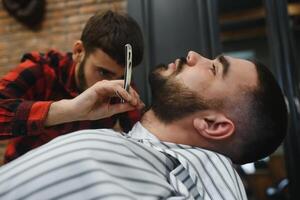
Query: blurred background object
[{"x": 29, "y": 12}]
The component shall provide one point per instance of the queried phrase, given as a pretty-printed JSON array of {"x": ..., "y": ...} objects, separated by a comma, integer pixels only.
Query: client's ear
[{"x": 214, "y": 126}]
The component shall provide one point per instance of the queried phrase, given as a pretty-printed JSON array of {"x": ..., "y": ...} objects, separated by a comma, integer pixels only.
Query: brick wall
[{"x": 64, "y": 20}]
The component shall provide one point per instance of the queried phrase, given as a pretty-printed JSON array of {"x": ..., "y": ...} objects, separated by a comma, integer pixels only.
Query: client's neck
[{"x": 178, "y": 132}]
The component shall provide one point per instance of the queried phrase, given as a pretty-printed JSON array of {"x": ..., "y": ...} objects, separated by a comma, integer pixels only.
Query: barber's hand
[{"x": 94, "y": 103}]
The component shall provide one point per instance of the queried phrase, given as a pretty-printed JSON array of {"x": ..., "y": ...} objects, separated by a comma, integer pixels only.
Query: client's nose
[{"x": 192, "y": 57}]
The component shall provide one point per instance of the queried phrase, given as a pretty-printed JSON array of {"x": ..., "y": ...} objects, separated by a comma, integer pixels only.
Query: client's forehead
[{"x": 242, "y": 71}]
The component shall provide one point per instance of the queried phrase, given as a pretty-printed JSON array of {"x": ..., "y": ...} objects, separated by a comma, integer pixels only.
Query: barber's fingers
[
  {"x": 106, "y": 88},
  {"x": 120, "y": 108},
  {"x": 115, "y": 89},
  {"x": 136, "y": 96},
  {"x": 136, "y": 101}
]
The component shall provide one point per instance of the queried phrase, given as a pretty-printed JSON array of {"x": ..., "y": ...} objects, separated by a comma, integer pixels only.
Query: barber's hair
[
  {"x": 110, "y": 31},
  {"x": 262, "y": 124}
]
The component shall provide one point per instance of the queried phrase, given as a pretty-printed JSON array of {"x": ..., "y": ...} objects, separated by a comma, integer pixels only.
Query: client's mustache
[{"x": 181, "y": 63}]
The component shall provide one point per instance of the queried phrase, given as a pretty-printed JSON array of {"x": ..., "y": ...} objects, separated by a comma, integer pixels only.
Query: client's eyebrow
[{"x": 225, "y": 64}]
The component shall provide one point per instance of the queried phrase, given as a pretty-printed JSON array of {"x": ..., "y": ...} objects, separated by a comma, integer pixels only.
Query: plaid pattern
[{"x": 26, "y": 94}]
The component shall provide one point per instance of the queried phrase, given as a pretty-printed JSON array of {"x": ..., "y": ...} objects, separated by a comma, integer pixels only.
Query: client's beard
[{"x": 171, "y": 100}]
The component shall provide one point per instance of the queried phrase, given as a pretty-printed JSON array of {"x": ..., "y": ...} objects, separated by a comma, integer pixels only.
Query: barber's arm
[
  {"x": 94, "y": 103},
  {"x": 21, "y": 115}
]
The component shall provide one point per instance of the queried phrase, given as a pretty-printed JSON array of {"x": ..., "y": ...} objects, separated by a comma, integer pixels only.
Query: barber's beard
[
  {"x": 171, "y": 100},
  {"x": 81, "y": 76}
]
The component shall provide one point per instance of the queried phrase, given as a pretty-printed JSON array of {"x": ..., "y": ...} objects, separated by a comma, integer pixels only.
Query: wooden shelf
[{"x": 244, "y": 16}]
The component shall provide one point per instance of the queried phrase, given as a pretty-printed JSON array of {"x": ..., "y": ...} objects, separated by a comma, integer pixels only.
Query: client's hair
[{"x": 262, "y": 123}]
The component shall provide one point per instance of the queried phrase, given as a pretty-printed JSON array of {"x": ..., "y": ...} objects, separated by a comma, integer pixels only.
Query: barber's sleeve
[
  {"x": 30, "y": 117},
  {"x": 18, "y": 116}
]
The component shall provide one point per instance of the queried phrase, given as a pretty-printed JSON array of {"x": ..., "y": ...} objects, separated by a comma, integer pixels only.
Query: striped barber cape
[{"x": 103, "y": 164}]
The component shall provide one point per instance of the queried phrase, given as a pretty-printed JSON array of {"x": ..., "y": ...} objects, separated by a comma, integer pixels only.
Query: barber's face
[
  {"x": 208, "y": 83},
  {"x": 97, "y": 66}
]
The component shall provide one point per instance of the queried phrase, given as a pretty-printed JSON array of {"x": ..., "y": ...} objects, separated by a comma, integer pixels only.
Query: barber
[{"x": 51, "y": 94}]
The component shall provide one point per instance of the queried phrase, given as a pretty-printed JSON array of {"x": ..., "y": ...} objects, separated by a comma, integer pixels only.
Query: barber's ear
[
  {"x": 216, "y": 126},
  {"x": 78, "y": 51}
]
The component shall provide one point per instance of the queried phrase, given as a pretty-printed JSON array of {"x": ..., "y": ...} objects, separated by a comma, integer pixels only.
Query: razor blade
[{"x": 128, "y": 68}]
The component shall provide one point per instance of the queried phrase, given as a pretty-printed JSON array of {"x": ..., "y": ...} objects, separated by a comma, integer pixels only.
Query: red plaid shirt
[{"x": 25, "y": 97}]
